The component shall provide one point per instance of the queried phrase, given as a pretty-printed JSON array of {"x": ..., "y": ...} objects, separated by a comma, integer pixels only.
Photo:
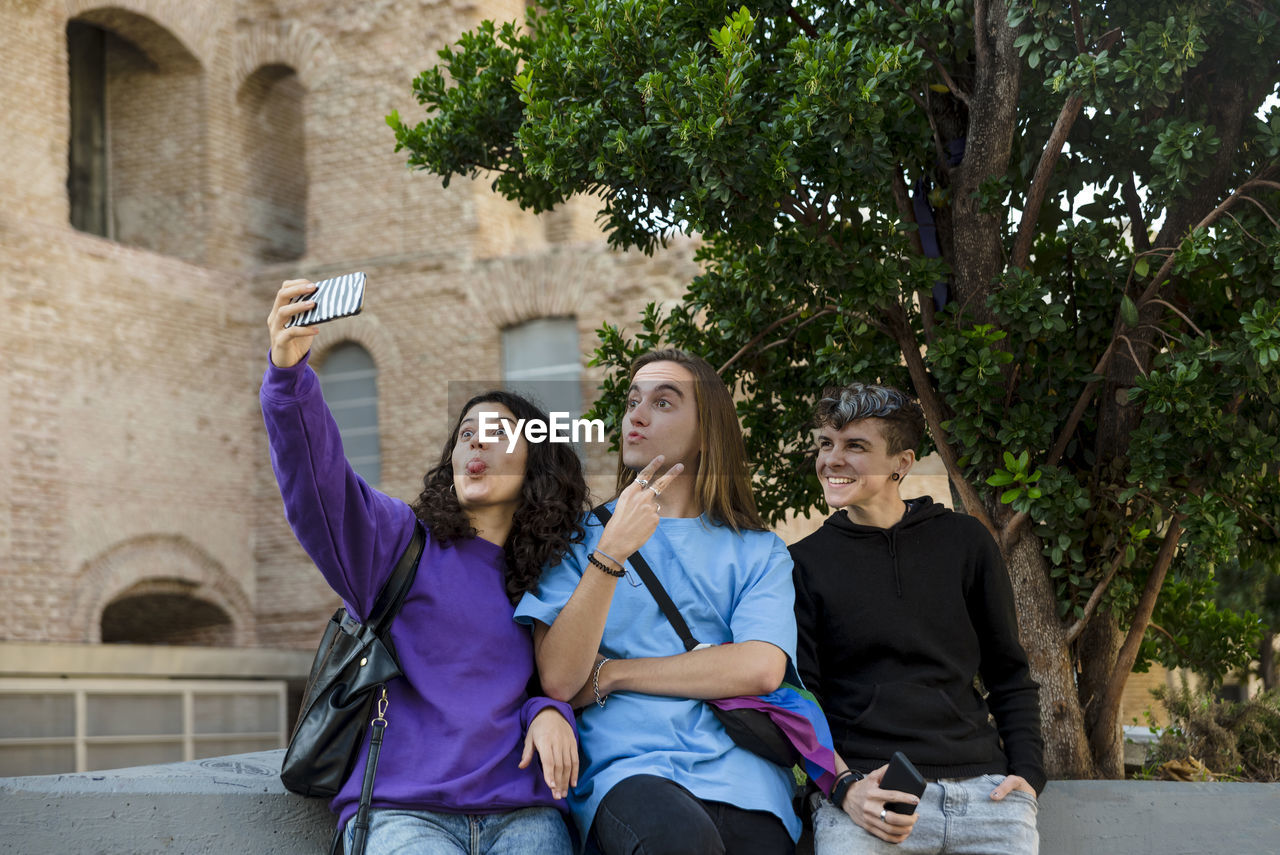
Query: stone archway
[
  {"x": 143, "y": 573},
  {"x": 165, "y": 611}
]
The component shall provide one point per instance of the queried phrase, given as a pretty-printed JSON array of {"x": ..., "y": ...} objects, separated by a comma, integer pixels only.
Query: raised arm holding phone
[{"x": 469, "y": 749}]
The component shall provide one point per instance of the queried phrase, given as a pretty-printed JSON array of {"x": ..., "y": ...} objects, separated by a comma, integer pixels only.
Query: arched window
[
  {"x": 349, "y": 379},
  {"x": 136, "y": 150},
  {"x": 542, "y": 359},
  {"x": 275, "y": 157}
]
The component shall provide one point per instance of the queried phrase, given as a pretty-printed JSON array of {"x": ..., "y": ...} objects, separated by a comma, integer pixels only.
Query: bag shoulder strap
[
  {"x": 393, "y": 592},
  {"x": 645, "y": 572}
]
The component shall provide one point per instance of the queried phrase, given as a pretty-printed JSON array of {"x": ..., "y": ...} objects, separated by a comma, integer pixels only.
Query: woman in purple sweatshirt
[{"x": 456, "y": 773}]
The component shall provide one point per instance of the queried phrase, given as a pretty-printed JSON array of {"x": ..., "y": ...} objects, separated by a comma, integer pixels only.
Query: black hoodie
[{"x": 895, "y": 623}]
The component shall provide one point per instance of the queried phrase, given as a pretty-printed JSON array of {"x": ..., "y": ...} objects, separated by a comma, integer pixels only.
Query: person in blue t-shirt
[{"x": 659, "y": 773}]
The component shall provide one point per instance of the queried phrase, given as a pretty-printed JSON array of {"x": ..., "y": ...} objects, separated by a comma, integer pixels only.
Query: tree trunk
[
  {"x": 1066, "y": 749},
  {"x": 1099, "y": 645},
  {"x": 977, "y": 235}
]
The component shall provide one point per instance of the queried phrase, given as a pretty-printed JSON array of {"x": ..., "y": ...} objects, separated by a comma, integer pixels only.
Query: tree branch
[
  {"x": 1262, "y": 208},
  {"x": 1158, "y": 280},
  {"x": 902, "y": 198},
  {"x": 1078, "y": 25},
  {"x": 933, "y": 409},
  {"x": 805, "y": 26},
  {"x": 906, "y": 212},
  {"x": 1133, "y": 353},
  {"x": 1179, "y": 313},
  {"x": 1040, "y": 182},
  {"x": 1137, "y": 223},
  {"x": 938, "y": 148},
  {"x": 1100, "y": 736},
  {"x": 1064, "y": 439},
  {"x": 1094, "y": 598},
  {"x": 786, "y": 338},
  {"x": 800, "y": 210},
  {"x": 937, "y": 63},
  {"x": 764, "y": 332},
  {"x": 1049, "y": 157}
]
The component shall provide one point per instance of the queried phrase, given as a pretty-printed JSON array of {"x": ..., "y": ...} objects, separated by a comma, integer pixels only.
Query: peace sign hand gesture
[{"x": 635, "y": 516}]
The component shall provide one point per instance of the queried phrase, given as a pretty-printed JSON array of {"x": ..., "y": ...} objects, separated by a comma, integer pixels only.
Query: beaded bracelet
[{"x": 617, "y": 574}]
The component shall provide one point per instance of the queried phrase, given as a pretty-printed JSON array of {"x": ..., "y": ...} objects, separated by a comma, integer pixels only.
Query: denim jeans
[
  {"x": 420, "y": 832},
  {"x": 957, "y": 817},
  {"x": 649, "y": 815}
]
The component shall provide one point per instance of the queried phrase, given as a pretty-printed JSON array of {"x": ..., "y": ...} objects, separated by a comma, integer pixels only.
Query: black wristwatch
[{"x": 844, "y": 781}]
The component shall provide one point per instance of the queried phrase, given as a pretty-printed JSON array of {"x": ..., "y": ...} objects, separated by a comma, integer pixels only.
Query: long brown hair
[
  {"x": 553, "y": 500},
  {"x": 723, "y": 484}
]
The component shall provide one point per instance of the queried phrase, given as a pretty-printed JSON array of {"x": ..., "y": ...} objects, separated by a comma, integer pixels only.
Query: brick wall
[{"x": 131, "y": 445}]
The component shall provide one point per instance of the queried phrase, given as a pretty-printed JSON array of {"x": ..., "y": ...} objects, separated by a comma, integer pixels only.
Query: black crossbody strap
[
  {"x": 360, "y": 828},
  {"x": 385, "y": 609},
  {"x": 392, "y": 595},
  {"x": 645, "y": 572}
]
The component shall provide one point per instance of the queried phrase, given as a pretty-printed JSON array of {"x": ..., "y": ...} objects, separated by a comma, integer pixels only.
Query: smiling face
[
  {"x": 854, "y": 465},
  {"x": 485, "y": 474},
  {"x": 661, "y": 417}
]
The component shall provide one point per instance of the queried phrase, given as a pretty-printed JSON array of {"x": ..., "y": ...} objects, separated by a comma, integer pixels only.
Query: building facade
[{"x": 166, "y": 165}]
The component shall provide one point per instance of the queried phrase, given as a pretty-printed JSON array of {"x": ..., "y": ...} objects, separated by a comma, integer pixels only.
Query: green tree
[{"x": 1056, "y": 222}]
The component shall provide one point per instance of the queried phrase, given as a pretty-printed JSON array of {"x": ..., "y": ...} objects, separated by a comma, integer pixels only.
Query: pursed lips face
[{"x": 661, "y": 417}]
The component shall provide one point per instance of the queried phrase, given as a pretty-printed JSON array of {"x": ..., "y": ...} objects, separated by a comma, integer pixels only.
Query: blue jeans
[
  {"x": 421, "y": 832},
  {"x": 957, "y": 817}
]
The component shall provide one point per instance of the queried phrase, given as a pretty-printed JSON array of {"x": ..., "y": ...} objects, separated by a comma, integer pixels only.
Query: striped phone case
[{"x": 339, "y": 297}]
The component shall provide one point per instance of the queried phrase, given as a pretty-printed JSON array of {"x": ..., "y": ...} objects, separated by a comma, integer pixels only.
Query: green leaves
[
  {"x": 1261, "y": 328},
  {"x": 785, "y": 133},
  {"x": 1015, "y": 473}
]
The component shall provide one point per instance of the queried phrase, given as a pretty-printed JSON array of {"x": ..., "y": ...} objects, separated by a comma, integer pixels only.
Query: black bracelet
[
  {"x": 840, "y": 789},
  {"x": 617, "y": 574}
]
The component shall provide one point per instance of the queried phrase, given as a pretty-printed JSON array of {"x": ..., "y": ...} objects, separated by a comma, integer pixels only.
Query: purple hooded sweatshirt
[{"x": 456, "y": 720}]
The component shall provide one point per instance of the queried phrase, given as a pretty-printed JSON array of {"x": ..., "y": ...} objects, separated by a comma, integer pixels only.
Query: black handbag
[
  {"x": 352, "y": 665},
  {"x": 749, "y": 728}
]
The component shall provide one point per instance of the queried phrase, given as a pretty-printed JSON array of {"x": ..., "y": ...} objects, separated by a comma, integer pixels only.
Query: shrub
[{"x": 1233, "y": 740}]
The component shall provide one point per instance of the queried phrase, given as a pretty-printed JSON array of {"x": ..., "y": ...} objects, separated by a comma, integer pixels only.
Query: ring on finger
[
  {"x": 656, "y": 491},
  {"x": 642, "y": 482},
  {"x": 884, "y": 814}
]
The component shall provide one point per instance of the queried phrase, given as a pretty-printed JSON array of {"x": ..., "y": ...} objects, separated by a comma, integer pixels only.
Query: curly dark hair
[{"x": 553, "y": 500}]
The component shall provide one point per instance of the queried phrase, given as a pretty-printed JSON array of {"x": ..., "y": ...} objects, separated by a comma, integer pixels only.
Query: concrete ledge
[
  {"x": 222, "y": 804},
  {"x": 237, "y": 804},
  {"x": 1159, "y": 818}
]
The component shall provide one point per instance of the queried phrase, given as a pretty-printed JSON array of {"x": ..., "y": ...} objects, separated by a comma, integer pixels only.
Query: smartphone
[
  {"x": 903, "y": 777},
  {"x": 339, "y": 297}
]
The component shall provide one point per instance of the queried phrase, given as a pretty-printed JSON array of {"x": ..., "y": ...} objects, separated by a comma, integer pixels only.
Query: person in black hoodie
[{"x": 900, "y": 605}]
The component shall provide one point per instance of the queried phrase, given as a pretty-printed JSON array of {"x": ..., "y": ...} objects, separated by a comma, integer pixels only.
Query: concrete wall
[{"x": 237, "y": 804}]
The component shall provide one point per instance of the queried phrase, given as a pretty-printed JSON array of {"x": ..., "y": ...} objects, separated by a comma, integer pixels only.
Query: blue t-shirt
[{"x": 728, "y": 587}]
